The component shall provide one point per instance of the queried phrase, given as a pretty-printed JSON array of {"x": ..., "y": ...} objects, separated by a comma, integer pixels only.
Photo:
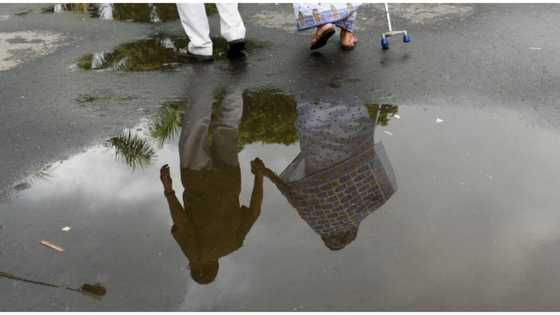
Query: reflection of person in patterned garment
[
  {"x": 340, "y": 176},
  {"x": 212, "y": 223}
]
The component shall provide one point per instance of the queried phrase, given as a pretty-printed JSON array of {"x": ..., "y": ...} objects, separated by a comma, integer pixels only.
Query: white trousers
[{"x": 195, "y": 23}]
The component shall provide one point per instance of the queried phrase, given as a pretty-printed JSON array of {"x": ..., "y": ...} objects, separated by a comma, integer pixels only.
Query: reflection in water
[
  {"x": 269, "y": 116},
  {"x": 168, "y": 121},
  {"x": 133, "y": 149},
  {"x": 340, "y": 175},
  {"x": 382, "y": 114},
  {"x": 337, "y": 180},
  {"x": 157, "y": 52},
  {"x": 96, "y": 291},
  {"x": 147, "y": 13},
  {"x": 133, "y": 12},
  {"x": 153, "y": 53},
  {"x": 211, "y": 223}
]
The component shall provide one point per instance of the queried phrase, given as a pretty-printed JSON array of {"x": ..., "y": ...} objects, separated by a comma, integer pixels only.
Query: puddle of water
[
  {"x": 159, "y": 12},
  {"x": 475, "y": 205},
  {"x": 23, "y": 12},
  {"x": 131, "y": 12},
  {"x": 158, "y": 52}
]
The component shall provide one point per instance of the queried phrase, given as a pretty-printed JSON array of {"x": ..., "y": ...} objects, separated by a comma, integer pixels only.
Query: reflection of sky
[{"x": 475, "y": 211}]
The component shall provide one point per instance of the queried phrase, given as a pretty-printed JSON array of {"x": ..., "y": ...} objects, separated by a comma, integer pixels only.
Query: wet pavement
[{"x": 422, "y": 178}]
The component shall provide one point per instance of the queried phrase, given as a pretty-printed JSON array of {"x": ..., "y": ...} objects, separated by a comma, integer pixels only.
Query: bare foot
[{"x": 347, "y": 40}]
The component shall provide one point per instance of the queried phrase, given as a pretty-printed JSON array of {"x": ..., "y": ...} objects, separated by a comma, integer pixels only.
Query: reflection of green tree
[
  {"x": 268, "y": 116},
  {"x": 383, "y": 113},
  {"x": 134, "y": 150},
  {"x": 142, "y": 55},
  {"x": 166, "y": 125},
  {"x": 149, "y": 54},
  {"x": 135, "y": 12},
  {"x": 141, "y": 12}
]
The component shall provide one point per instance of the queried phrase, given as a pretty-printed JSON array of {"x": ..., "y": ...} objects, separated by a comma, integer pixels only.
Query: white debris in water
[
  {"x": 97, "y": 60},
  {"x": 387, "y": 132},
  {"x": 439, "y": 120},
  {"x": 397, "y": 116},
  {"x": 154, "y": 17},
  {"x": 58, "y": 8},
  {"x": 66, "y": 229},
  {"x": 19, "y": 47},
  {"x": 122, "y": 65},
  {"x": 168, "y": 43},
  {"x": 105, "y": 11},
  {"x": 535, "y": 48}
]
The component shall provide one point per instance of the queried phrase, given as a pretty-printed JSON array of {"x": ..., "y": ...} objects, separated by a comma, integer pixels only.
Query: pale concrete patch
[
  {"x": 275, "y": 20},
  {"x": 19, "y": 47}
]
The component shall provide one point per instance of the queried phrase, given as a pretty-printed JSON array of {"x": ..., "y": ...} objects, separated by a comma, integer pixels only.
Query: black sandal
[{"x": 323, "y": 38}]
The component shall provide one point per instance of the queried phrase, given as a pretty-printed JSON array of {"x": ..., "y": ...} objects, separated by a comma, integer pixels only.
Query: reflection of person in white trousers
[{"x": 195, "y": 22}]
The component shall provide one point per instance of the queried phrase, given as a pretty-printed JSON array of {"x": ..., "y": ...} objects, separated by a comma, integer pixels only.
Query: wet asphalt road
[
  {"x": 490, "y": 71},
  {"x": 487, "y": 55}
]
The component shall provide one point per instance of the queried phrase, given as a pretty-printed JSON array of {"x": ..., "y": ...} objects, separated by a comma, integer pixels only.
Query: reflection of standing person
[
  {"x": 324, "y": 17},
  {"x": 212, "y": 223},
  {"x": 340, "y": 175},
  {"x": 195, "y": 23}
]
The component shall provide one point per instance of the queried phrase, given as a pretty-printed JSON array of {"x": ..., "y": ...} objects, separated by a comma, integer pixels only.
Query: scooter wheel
[
  {"x": 406, "y": 39},
  {"x": 384, "y": 43}
]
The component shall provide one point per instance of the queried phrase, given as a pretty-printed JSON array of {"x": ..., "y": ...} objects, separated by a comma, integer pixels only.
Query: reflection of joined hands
[{"x": 259, "y": 169}]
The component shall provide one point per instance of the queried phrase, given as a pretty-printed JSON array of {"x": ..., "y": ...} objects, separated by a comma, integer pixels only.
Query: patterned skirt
[{"x": 311, "y": 15}]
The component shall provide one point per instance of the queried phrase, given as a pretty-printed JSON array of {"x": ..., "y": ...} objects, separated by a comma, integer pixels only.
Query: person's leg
[
  {"x": 231, "y": 23},
  {"x": 193, "y": 142},
  {"x": 232, "y": 29},
  {"x": 347, "y": 38},
  {"x": 195, "y": 23},
  {"x": 322, "y": 35},
  {"x": 226, "y": 128}
]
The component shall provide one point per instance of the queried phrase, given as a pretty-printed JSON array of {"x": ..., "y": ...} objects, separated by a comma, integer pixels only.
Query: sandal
[{"x": 321, "y": 39}]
